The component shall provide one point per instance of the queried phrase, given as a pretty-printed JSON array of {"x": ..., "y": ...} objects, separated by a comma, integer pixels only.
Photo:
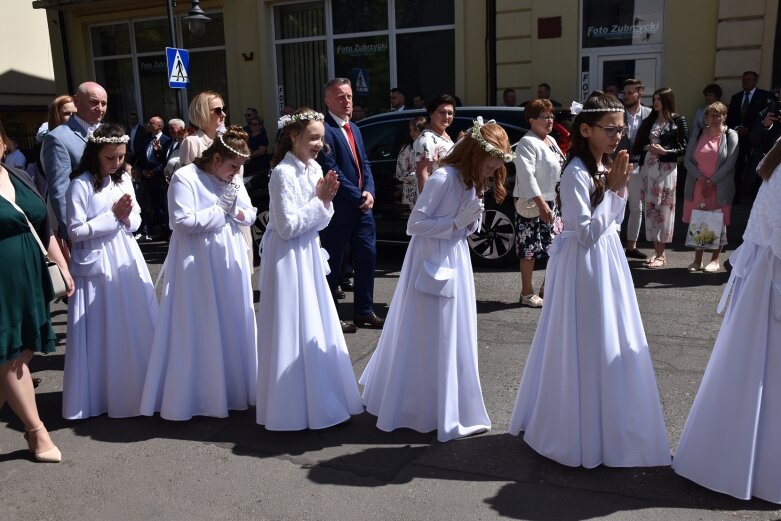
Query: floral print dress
[{"x": 659, "y": 180}]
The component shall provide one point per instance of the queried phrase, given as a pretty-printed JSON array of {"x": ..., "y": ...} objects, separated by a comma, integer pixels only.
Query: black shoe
[
  {"x": 347, "y": 327},
  {"x": 339, "y": 294},
  {"x": 371, "y": 320},
  {"x": 347, "y": 285},
  {"x": 36, "y": 381},
  {"x": 635, "y": 254}
]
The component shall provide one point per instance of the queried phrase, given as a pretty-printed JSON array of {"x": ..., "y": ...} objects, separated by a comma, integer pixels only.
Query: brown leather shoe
[
  {"x": 371, "y": 320},
  {"x": 347, "y": 327}
]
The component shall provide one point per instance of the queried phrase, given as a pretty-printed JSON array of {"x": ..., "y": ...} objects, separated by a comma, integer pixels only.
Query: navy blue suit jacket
[
  {"x": 143, "y": 163},
  {"x": 339, "y": 158}
]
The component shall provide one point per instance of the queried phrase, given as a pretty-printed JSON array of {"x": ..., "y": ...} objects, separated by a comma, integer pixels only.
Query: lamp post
[{"x": 196, "y": 21}]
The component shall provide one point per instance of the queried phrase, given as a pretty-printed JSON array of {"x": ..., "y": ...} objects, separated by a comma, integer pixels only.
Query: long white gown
[
  {"x": 588, "y": 394},
  {"x": 423, "y": 374},
  {"x": 305, "y": 376},
  {"x": 731, "y": 442},
  {"x": 112, "y": 313},
  {"x": 204, "y": 357}
]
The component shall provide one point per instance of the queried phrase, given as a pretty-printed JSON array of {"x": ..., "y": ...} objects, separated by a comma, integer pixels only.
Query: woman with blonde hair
[
  {"x": 207, "y": 114},
  {"x": 423, "y": 374},
  {"x": 710, "y": 172}
]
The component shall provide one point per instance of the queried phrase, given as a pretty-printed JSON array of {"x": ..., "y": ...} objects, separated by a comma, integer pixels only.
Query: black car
[{"x": 383, "y": 137}]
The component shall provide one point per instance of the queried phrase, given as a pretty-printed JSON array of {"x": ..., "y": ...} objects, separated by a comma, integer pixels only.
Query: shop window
[
  {"x": 299, "y": 20},
  {"x": 614, "y": 23},
  {"x": 310, "y": 51},
  {"x": 424, "y": 13},
  {"x": 131, "y": 65},
  {"x": 151, "y": 35},
  {"x": 110, "y": 40},
  {"x": 302, "y": 85},
  {"x": 359, "y": 16},
  {"x": 365, "y": 62},
  {"x": 426, "y": 63}
]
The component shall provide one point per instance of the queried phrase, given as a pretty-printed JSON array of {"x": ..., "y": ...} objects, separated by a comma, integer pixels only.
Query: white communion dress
[
  {"x": 204, "y": 357},
  {"x": 305, "y": 375},
  {"x": 424, "y": 374},
  {"x": 588, "y": 394},
  {"x": 731, "y": 442},
  {"x": 112, "y": 313}
]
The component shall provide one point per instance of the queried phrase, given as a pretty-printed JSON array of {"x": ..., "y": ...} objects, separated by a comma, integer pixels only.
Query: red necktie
[{"x": 351, "y": 141}]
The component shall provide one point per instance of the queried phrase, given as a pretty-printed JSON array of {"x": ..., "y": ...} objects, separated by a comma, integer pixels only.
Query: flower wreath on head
[
  {"x": 475, "y": 134},
  {"x": 119, "y": 140},
  {"x": 288, "y": 119},
  {"x": 576, "y": 108},
  {"x": 222, "y": 141}
]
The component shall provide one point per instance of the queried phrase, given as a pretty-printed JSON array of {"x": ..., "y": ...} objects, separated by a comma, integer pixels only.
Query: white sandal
[{"x": 532, "y": 301}]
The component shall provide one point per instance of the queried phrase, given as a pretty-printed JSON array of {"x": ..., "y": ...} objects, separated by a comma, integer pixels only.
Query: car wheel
[
  {"x": 493, "y": 244},
  {"x": 258, "y": 229}
]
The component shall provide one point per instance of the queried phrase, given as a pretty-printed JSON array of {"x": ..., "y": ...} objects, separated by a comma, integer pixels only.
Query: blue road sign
[{"x": 178, "y": 61}]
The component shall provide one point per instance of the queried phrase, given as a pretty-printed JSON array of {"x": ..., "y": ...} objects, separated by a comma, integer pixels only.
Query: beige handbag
[
  {"x": 55, "y": 273},
  {"x": 526, "y": 208}
]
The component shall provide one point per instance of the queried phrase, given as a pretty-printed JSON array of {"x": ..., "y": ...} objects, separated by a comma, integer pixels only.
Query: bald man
[{"x": 62, "y": 147}]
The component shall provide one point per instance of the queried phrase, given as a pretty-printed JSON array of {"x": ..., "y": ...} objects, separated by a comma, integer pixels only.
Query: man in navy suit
[
  {"x": 353, "y": 221},
  {"x": 742, "y": 114},
  {"x": 149, "y": 172},
  {"x": 63, "y": 147}
]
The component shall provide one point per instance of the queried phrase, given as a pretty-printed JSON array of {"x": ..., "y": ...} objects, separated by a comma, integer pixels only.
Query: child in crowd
[
  {"x": 423, "y": 374},
  {"x": 204, "y": 356},
  {"x": 111, "y": 315},
  {"x": 730, "y": 442},
  {"x": 305, "y": 376},
  {"x": 405, "y": 164},
  {"x": 588, "y": 394}
]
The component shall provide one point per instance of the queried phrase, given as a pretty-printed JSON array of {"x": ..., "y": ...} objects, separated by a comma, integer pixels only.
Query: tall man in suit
[
  {"x": 149, "y": 172},
  {"x": 353, "y": 221},
  {"x": 63, "y": 147},
  {"x": 744, "y": 108},
  {"x": 634, "y": 114}
]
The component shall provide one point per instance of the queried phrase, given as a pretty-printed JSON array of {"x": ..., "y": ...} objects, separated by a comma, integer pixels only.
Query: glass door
[{"x": 615, "y": 69}]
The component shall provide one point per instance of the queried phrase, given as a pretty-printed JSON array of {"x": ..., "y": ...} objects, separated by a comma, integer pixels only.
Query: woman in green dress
[{"x": 25, "y": 293}]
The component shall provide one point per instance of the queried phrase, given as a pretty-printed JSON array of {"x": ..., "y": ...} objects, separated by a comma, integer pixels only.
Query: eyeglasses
[
  {"x": 220, "y": 110},
  {"x": 611, "y": 131},
  {"x": 443, "y": 112},
  {"x": 549, "y": 117}
]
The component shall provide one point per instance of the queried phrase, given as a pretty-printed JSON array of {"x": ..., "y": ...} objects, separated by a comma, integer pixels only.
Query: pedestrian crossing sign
[
  {"x": 178, "y": 61},
  {"x": 361, "y": 81}
]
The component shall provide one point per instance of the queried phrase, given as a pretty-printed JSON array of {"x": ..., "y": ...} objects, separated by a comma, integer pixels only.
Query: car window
[{"x": 382, "y": 141}]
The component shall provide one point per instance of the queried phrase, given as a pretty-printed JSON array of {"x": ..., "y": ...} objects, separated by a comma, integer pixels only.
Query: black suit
[
  {"x": 150, "y": 183},
  {"x": 736, "y": 117}
]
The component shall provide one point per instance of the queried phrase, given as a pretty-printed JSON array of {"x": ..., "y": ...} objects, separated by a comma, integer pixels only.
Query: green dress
[{"x": 25, "y": 286}]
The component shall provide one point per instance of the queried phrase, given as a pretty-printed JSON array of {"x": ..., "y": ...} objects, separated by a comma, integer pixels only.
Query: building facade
[{"x": 272, "y": 53}]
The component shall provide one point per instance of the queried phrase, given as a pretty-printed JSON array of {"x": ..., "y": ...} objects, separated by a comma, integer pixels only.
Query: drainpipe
[{"x": 491, "y": 50}]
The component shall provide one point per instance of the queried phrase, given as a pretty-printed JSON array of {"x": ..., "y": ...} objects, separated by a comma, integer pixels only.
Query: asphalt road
[{"x": 232, "y": 469}]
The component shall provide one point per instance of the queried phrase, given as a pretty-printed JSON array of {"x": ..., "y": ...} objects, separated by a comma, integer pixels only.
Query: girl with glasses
[{"x": 588, "y": 395}]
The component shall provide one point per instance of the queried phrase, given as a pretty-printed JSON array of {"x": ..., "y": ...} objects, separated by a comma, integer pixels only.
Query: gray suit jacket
[
  {"x": 724, "y": 177},
  {"x": 60, "y": 155}
]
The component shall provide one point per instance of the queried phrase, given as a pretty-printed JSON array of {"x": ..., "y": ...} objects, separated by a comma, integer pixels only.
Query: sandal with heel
[{"x": 52, "y": 455}]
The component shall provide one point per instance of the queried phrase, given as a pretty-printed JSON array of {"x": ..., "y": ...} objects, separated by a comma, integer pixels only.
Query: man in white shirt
[{"x": 634, "y": 115}]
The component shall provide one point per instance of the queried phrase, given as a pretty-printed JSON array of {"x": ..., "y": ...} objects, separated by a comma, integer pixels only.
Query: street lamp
[{"x": 196, "y": 19}]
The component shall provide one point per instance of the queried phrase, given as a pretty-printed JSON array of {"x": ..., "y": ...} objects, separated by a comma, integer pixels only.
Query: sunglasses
[
  {"x": 611, "y": 131},
  {"x": 220, "y": 110}
]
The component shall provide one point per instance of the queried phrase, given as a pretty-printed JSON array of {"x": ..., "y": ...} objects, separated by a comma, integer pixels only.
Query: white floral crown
[
  {"x": 287, "y": 119},
  {"x": 475, "y": 134},
  {"x": 240, "y": 154},
  {"x": 576, "y": 108},
  {"x": 121, "y": 140}
]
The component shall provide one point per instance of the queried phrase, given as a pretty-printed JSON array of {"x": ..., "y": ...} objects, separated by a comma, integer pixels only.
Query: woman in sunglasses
[
  {"x": 207, "y": 114},
  {"x": 660, "y": 141}
]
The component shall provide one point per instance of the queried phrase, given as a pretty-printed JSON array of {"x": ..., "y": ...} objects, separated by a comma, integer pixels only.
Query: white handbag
[{"x": 526, "y": 208}]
